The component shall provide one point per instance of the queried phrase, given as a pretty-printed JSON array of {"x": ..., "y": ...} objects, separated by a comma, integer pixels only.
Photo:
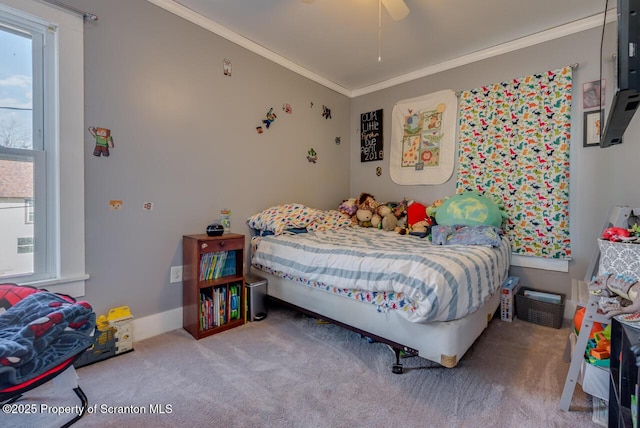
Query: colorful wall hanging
[
  {"x": 423, "y": 132},
  {"x": 514, "y": 145},
  {"x": 371, "y": 142}
]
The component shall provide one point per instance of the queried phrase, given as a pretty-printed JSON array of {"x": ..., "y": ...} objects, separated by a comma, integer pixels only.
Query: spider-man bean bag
[{"x": 38, "y": 331}]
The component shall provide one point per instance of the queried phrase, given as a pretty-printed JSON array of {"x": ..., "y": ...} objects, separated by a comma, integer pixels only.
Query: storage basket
[{"x": 539, "y": 312}]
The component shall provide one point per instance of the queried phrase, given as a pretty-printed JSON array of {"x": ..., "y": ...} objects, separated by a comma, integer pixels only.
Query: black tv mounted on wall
[{"x": 627, "y": 97}]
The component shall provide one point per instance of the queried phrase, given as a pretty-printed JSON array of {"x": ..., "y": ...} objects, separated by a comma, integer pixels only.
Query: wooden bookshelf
[{"x": 213, "y": 296}]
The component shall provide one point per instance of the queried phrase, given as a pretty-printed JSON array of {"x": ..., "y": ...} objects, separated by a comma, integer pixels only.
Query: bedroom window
[
  {"x": 22, "y": 100},
  {"x": 41, "y": 147}
]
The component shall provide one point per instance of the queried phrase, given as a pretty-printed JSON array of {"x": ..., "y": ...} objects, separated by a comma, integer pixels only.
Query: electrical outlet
[{"x": 176, "y": 274}]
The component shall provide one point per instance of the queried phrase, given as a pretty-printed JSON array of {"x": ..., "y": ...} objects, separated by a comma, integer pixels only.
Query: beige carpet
[{"x": 290, "y": 371}]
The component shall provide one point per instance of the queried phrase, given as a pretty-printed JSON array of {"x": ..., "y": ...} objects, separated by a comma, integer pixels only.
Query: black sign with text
[{"x": 371, "y": 136}]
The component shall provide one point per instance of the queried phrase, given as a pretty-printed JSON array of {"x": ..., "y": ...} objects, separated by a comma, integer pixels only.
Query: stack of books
[{"x": 216, "y": 265}]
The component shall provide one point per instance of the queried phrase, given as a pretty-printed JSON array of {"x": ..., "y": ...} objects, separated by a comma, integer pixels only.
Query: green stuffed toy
[{"x": 470, "y": 209}]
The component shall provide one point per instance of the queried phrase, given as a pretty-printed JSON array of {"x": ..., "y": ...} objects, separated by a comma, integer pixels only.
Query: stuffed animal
[
  {"x": 376, "y": 221},
  {"x": 389, "y": 222},
  {"x": 384, "y": 218},
  {"x": 367, "y": 207},
  {"x": 626, "y": 291},
  {"x": 421, "y": 227},
  {"x": 470, "y": 209},
  {"x": 348, "y": 207},
  {"x": 367, "y": 201},
  {"x": 364, "y": 217},
  {"x": 615, "y": 234},
  {"x": 400, "y": 209},
  {"x": 384, "y": 210},
  {"x": 431, "y": 209},
  {"x": 415, "y": 213}
]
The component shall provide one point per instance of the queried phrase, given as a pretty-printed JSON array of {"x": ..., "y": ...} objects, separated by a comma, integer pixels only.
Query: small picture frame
[
  {"x": 592, "y": 128},
  {"x": 592, "y": 94}
]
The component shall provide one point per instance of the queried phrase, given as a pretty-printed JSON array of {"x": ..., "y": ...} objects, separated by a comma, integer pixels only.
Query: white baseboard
[{"x": 156, "y": 324}]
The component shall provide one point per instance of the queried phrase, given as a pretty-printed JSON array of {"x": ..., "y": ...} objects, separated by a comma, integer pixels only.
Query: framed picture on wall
[
  {"x": 592, "y": 94},
  {"x": 592, "y": 127}
]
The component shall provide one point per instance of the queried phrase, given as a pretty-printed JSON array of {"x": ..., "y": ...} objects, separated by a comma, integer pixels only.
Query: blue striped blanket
[{"x": 444, "y": 282}]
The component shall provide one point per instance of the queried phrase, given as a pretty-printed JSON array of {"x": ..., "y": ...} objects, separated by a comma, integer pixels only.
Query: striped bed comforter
[{"x": 443, "y": 282}]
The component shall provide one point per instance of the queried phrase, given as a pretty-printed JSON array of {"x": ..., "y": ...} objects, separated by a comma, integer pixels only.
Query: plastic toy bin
[{"x": 539, "y": 312}]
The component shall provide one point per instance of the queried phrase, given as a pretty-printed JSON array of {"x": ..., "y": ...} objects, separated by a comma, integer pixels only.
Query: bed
[{"x": 424, "y": 299}]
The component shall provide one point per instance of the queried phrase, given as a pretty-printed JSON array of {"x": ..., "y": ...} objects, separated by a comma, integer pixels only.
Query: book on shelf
[
  {"x": 230, "y": 264},
  {"x": 234, "y": 302},
  {"x": 216, "y": 307},
  {"x": 206, "y": 312},
  {"x": 223, "y": 306},
  {"x": 217, "y": 264}
]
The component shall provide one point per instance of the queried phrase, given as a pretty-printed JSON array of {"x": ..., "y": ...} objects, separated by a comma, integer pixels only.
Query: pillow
[
  {"x": 465, "y": 235},
  {"x": 469, "y": 209},
  {"x": 329, "y": 220},
  {"x": 279, "y": 218}
]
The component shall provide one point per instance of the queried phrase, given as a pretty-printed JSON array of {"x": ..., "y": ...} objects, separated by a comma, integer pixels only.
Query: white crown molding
[
  {"x": 207, "y": 24},
  {"x": 524, "y": 42}
]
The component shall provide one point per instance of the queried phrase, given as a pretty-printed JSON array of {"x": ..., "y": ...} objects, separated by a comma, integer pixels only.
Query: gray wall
[
  {"x": 185, "y": 139},
  {"x": 600, "y": 178}
]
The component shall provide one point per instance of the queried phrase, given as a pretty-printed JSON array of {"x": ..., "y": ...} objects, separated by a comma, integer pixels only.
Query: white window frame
[
  {"x": 62, "y": 138},
  {"x": 28, "y": 211}
]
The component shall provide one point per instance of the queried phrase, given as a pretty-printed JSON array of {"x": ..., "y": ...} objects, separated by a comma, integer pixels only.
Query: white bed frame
[{"x": 444, "y": 342}]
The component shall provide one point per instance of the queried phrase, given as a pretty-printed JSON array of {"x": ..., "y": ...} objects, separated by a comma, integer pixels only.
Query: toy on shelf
[
  {"x": 577, "y": 322},
  {"x": 599, "y": 348}
]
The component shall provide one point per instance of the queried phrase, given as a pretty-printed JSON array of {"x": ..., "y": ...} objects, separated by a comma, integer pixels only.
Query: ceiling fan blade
[{"x": 396, "y": 8}]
